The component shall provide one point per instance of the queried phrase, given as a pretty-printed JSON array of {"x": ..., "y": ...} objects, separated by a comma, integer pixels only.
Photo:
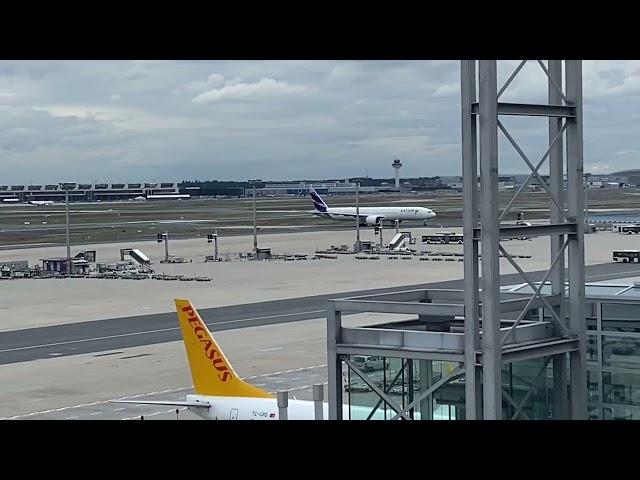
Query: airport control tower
[{"x": 396, "y": 166}]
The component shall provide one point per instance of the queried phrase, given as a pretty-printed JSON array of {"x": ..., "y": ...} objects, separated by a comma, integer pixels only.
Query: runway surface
[
  {"x": 298, "y": 382},
  {"x": 112, "y": 334}
]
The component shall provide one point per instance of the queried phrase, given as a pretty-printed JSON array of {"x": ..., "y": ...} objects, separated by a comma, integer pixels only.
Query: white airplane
[
  {"x": 41, "y": 203},
  {"x": 220, "y": 394},
  {"x": 369, "y": 215}
]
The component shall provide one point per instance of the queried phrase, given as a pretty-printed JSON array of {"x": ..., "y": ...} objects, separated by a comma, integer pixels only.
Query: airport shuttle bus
[
  {"x": 626, "y": 256},
  {"x": 627, "y": 229},
  {"x": 443, "y": 238}
]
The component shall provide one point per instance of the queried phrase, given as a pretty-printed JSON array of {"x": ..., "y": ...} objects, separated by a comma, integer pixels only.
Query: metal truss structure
[
  {"x": 481, "y": 112},
  {"x": 548, "y": 326}
]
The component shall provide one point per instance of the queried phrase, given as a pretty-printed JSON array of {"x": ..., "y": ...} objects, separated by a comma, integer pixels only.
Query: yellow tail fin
[{"x": 211, "y": 371}]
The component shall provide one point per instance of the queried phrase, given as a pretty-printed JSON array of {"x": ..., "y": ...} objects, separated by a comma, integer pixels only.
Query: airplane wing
[{"x": 176, "y": 403}]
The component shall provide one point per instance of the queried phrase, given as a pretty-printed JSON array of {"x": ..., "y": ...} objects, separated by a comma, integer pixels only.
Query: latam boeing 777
[{"x": 370, "y": 215}]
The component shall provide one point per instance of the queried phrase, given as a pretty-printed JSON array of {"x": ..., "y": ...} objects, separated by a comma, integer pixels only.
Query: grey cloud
[{"x": 277, "y": 119}]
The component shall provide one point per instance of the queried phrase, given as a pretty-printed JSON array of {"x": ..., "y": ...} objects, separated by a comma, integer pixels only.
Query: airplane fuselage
[
  {"x": 245, "y": 408},
  {"x": 388, "y": 213}
]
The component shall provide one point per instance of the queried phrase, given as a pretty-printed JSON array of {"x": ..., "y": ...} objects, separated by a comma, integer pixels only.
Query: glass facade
[
  {"x": 528, "y": 386},
  {"x": 613, "y": 374},
  {"x": 402, "y": 381},
  {"x": 621, "y": 413},
  {"x": 613, "y": 360}
]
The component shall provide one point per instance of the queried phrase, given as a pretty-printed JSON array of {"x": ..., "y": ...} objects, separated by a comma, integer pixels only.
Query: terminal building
[
  {"x": 88, "y": 192},
  {"x": 345, "y": 187},
  {"x": 625, "y": 178}
]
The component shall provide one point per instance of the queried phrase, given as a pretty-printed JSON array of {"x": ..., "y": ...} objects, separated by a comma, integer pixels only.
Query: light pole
[
  {"x": 67, "y": 187},
  {"x": 166, "y": 247},
  {"x": 66, "y": 209},
  {"x": 357, "y": 217},
  {"x": 586, "y": 201},
  {"x": 255, "y": 224}
]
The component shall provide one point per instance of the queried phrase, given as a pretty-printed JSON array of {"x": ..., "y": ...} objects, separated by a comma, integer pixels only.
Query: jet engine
[{"x": 373, "y": 220}]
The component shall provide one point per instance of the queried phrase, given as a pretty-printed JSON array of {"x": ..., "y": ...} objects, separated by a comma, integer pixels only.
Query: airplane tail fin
[
  {"x": 318, "y": 202},
  {"x": 211, "y": 371}
]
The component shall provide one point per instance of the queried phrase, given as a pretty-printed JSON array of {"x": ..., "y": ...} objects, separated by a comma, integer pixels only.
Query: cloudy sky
[{"x": 174, "y": 120}]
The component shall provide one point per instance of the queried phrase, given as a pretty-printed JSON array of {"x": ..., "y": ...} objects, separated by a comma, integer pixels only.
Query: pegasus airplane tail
[{"x": 211, "y": 372}]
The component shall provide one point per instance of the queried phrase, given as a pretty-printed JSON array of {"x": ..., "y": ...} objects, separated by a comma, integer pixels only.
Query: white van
[{"x": 368, "y": 362}]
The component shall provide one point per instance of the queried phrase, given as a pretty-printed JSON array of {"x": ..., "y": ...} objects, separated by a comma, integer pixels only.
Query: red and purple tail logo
[{"x": 318, "y": 203}]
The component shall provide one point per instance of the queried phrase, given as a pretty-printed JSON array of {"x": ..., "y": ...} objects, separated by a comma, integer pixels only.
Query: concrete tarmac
[
  {"x": 69, "y": 346},
  {"x": 118, "y": 333}
]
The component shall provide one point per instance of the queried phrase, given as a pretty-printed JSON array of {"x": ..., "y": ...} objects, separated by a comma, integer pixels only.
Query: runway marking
[
  {"x": 118, "y": 409},
  {"x": 96, "y": 413},
  {"x": 613, "y": 273},
  {"x": 154, "y": 331},
  {"x": 305, "y": 387},
  {"x": 129, "y": 397},
  {"x": 61, "y": 409},
  {"x": 285, "y": 371},
  {"x": 137, "y": 417},
  {"x": 71, "y": 418}
]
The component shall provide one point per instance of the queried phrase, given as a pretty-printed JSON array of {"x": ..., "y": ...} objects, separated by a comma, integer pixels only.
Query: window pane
[
  {"x": 621, "y": 317},
  {"x": 592, "y": 348},
  {"x": 632, "y": 292},
  {"x": 592, "y": 386},
  {"x": 620, "y": 351},
  {"x": 517, "y": 380},
  {"x": 594, "y": 413},
  {"x": 621, "y": 388},
  {"x": 621, "y": 413},
  {"x": 602, "y": 290},
  {"x": 546, "y": 290}
]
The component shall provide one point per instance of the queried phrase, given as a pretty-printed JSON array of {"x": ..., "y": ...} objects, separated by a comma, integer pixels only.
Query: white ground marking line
[
  {"x": 96, "y": 413},
  {"x": 71, "y": 418},
  {"x": 137, "y": 417},
  {"x": 41, "y": 412},
  {"x": 169, "y": 390},
  {"x": 152, "y": 331},
  {"x": 588, "y": 277},
  {"x": 118, "y": 409},
  {"x": 305, "y": 387}
]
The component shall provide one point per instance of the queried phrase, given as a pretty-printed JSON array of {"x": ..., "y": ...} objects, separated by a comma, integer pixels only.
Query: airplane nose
[{"x": 433, "y": 214}]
